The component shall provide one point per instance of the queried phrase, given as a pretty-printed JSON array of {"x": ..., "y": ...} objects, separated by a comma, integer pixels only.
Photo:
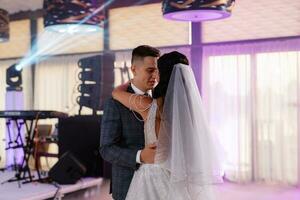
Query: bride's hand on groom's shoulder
[{"x": 148, "y": 154}]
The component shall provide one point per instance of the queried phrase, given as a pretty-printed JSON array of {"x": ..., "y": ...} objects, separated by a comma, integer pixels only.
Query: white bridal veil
[{"x": 186, "y": 147}]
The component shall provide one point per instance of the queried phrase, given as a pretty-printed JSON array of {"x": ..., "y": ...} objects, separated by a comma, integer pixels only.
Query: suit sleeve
[{"x": 111, "y": 135}]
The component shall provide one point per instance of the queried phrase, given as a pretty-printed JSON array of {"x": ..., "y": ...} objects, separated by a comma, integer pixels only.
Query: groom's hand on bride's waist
[{"x": 148, "y": 153}]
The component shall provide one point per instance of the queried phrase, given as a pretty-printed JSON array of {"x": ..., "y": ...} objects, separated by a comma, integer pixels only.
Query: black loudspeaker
[
  {"x": 97, "y": 80},
  {"x": 81, "y": 136},
  {"x": 68, "y": 170}
]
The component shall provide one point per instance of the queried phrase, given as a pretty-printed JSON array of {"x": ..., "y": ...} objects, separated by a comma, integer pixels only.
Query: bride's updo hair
[{"x": 165, "y": 67}]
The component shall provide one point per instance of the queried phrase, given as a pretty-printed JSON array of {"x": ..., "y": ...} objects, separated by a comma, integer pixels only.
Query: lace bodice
[{"x": 149, "y": 126}]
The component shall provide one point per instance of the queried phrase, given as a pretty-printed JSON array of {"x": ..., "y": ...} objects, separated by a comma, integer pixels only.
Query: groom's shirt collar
[{"x": 138, "y": 91}]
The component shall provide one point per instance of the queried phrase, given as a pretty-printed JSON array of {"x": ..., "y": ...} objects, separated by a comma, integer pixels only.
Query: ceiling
[
  {"x": 250, "y": 19},
  {"x": 16, "y": 6}
]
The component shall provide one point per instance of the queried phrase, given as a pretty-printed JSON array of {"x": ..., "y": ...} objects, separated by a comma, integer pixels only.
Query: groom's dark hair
[
  {"x": 140, "y": 52},
  {"x": 165, "y": 67}
]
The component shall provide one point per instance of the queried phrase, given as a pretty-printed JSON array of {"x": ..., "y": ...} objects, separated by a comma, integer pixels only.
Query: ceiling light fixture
[
  {"x": 77, "y": 16},
  {"x": 197, "y": 10}
]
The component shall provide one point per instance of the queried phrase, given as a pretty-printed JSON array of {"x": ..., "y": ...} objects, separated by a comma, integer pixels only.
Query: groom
[{"x": 122, "y": 131}]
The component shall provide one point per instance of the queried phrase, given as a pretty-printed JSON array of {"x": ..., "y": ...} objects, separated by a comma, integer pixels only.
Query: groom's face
[{"x": 145, "y": 73}]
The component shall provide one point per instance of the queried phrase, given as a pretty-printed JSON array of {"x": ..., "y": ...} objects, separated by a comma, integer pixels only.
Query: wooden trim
[{"x": 27, "y": 15}]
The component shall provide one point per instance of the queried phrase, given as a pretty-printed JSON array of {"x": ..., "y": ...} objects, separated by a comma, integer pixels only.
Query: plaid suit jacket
[{"x": 122, "y": 135}]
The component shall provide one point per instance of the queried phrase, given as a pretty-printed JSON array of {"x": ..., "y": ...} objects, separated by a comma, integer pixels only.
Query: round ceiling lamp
[
  {"x": 76, "y": 16},
  {"x": 197, "y": 10},
  {"x": 4, "y": 25}
]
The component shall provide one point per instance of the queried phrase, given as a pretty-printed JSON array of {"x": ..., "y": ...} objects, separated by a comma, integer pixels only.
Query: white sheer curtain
[
  {"x": 252, "y": 96},
  {"x": 27, "y": 89},
  {"x": 229, "y": 106},
  {"x": 56, "y": 81},
  {"x": 277, "y": 116}
]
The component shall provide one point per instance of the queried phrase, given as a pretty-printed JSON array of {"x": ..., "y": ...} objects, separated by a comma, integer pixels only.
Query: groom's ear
[{"x": 133, "y": 69}]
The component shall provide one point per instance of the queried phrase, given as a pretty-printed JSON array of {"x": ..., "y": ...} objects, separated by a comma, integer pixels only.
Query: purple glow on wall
[{"x": 14, "y": 100}]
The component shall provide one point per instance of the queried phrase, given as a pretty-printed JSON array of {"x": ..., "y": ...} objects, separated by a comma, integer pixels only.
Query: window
[{"x": 253, "y": 105}]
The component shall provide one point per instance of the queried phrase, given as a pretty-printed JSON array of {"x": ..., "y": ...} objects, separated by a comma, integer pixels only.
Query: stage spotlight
[
  {"x": 4, "y": 25},
  {"x": 197, "y": 10},
  {"x": 72, "y": 16},
  {"x": 13, "y": 78}
]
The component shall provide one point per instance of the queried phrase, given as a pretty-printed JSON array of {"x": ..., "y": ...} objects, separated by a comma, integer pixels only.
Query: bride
[{"x": 186, "y": 161}]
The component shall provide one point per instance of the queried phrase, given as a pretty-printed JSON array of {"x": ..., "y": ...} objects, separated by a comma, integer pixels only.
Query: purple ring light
[
  {"x": 197, "y": 10},
  {"x": 197, "y": 15}
]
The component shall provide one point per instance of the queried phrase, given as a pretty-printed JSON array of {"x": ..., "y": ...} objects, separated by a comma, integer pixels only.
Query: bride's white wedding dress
[
  {"x": 150, "y": 181},
  {"x": 187, "y": 158}
]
